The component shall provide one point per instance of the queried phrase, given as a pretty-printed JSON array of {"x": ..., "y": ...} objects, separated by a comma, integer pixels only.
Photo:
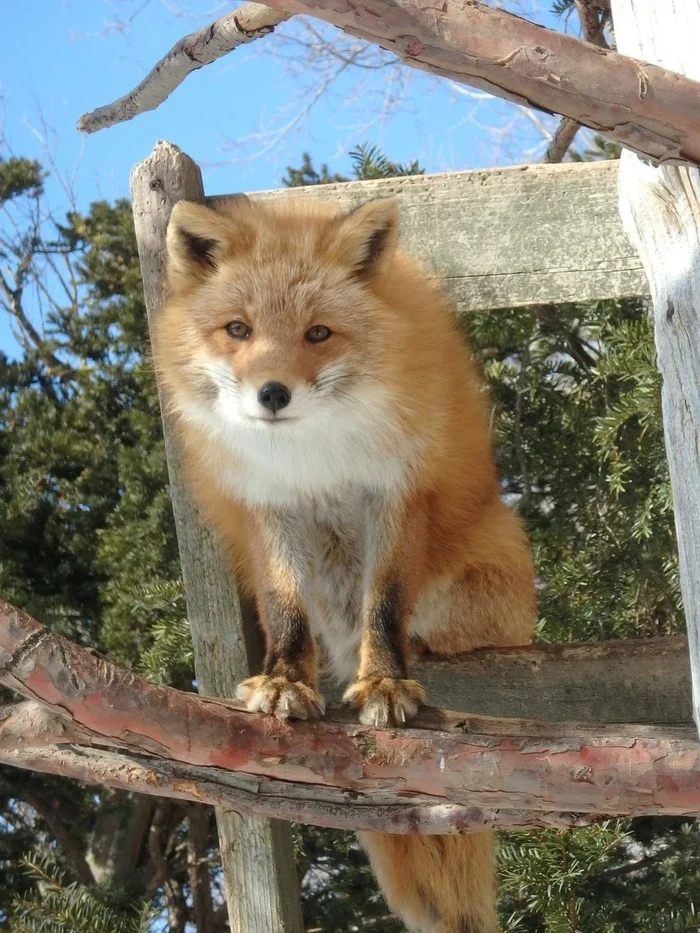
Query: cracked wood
[{"x": 660, "y": 208}]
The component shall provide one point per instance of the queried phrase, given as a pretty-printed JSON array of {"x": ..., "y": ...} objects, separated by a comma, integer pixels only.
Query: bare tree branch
[
  {"x": 249, "y": 22},
  {"x": 591, "y": 24},
  {"x": 448, "y": 773},
  {"x": 561, "y": 141},
  {"x": 644, "y": 107},
  {"x": 49, "y": 810}
]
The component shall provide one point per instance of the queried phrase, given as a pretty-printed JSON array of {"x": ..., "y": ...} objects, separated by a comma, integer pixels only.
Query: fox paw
[
  {"x": 385, "y": 701},
  {"x": 281, "y": 697}
]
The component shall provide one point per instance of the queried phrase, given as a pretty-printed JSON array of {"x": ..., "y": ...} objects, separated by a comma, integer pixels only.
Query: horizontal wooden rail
[
  {"x": 506, "y": 237},
  {"x": 617, "y": 681},
  {"x": 448, "y": 773}
]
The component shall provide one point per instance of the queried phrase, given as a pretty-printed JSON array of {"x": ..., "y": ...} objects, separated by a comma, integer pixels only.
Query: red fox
[{"x": 337, "y": 436}]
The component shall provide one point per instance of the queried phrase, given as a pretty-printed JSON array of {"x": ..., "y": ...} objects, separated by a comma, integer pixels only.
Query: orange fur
[{"x": 365, "y": 515}]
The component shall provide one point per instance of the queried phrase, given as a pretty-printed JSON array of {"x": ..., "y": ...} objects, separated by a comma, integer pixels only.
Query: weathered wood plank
[
  {"x": 257, "y": 855},
  {"x": 661, "y": 210},
  {"x": 606, "y": 682},
  {"x": 507, "y": 237},
  {"x": 625, "y": 681}
]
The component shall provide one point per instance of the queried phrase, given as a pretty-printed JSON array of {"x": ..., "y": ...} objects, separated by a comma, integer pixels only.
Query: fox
[{"x": 336, "y": 434}]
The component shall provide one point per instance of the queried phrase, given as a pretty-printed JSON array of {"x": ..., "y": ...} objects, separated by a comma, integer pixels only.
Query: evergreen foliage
[{"x": 87, "y": 545}]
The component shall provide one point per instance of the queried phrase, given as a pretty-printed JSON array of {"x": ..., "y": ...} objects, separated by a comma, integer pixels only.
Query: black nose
[{"x": 273, "y": 396}]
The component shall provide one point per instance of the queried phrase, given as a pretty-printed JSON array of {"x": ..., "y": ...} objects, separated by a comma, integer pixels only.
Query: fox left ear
[
  {"x": 199, "y": 236},
  {"x": 366, "y": 238}
]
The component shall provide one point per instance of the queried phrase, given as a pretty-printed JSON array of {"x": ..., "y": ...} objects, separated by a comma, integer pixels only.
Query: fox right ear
[{"x": 197, "y": 239}]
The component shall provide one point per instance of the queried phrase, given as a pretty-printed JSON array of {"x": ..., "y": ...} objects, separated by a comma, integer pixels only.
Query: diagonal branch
[
  {"x": 449, "y": 773},
  {"x": 48, "y": 810},
  {"x": 644, "y": 107},
  {"x": 561, "y": 141},
  {"x": 249, "y": 22},
  {"x": 592, "y": 25}
]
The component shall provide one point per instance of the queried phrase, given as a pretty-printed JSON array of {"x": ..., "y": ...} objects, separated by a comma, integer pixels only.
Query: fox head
[
  {"x": 278, "y": 316},
  {"x": 275, "y": 323},
  {"x": 298, "y": 341}
]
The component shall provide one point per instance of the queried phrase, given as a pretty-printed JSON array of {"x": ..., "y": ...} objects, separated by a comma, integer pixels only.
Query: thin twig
[{"x": 249, "y": 22}]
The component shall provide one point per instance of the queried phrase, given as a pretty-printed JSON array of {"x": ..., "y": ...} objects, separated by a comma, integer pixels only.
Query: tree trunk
[{"x": 660, "y": 208}]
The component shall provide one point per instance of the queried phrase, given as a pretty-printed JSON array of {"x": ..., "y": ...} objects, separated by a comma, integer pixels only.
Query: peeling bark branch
[
  {"x": 382, "y": 811},
  {"x": 648, "y": 109},
  {"x": 248, "y": 22},
  {"x": 433, "y": 777}
]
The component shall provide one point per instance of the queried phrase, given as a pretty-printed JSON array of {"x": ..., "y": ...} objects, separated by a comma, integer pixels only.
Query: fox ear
[
  {"x": 198, "y": 237},
  {"x": 366, "y": 238}
]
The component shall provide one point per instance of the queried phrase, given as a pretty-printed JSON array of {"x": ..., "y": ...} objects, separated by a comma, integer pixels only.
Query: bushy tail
[{"x": 437, "y": 884}]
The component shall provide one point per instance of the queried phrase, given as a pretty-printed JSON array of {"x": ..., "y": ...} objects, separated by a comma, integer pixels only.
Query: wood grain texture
[
  {"x": 447, "y": 762},
  {"x": 257, "y": 855},
  {"x": 607, "y": 682},
  {"x": 661, "y": 210},
  {"x": 507, "y": 237}
]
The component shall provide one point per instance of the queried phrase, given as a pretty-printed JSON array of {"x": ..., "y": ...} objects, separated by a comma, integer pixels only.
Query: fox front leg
[
  {"x": 382, "y": 692},
  {"x": 288, "y": 686}
]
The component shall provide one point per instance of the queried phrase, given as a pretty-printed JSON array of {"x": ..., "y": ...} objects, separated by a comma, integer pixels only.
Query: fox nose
[{"x": 274, "y": 396}]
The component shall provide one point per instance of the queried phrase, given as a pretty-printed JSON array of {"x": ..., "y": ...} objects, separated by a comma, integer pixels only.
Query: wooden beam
[
  {"x": 257, "y": 855},
  {"x": 661, "y": 210},
  {"x": 426, "y": 778},
  {"x": 507, "y": 237},
  {"x": 606, "y": 682}
]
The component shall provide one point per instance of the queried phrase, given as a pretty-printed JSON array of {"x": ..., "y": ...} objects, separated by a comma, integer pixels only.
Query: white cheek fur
[{"x": 333, "y": 443}]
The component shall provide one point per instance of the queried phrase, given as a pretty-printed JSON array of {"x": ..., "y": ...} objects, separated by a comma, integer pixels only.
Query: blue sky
[{"x": 63, "y": 57}]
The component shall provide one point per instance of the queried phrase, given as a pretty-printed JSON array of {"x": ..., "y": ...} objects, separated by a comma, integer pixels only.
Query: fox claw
[
  {"x": 385, "y": 701},
  {"x": 280, "y": 697}
]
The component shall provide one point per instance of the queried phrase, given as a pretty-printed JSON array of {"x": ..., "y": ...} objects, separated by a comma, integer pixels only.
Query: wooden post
[
  {"x": 660, "y": 208},
  {"x": 257, "y": 855}
]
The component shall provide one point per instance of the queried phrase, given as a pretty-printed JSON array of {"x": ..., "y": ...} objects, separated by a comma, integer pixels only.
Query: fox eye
[
  {"x": 317, "y": 334},
  {"x": 238, "y": 330}
]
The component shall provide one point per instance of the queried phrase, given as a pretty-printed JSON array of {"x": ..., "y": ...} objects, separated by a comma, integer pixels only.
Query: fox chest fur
[{"x": 338, "y": 536}]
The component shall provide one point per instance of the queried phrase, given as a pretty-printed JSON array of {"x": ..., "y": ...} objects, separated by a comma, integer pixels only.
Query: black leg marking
[
  {"x": 290, "y": 643},
  {"x": 384, "y": 630}
]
